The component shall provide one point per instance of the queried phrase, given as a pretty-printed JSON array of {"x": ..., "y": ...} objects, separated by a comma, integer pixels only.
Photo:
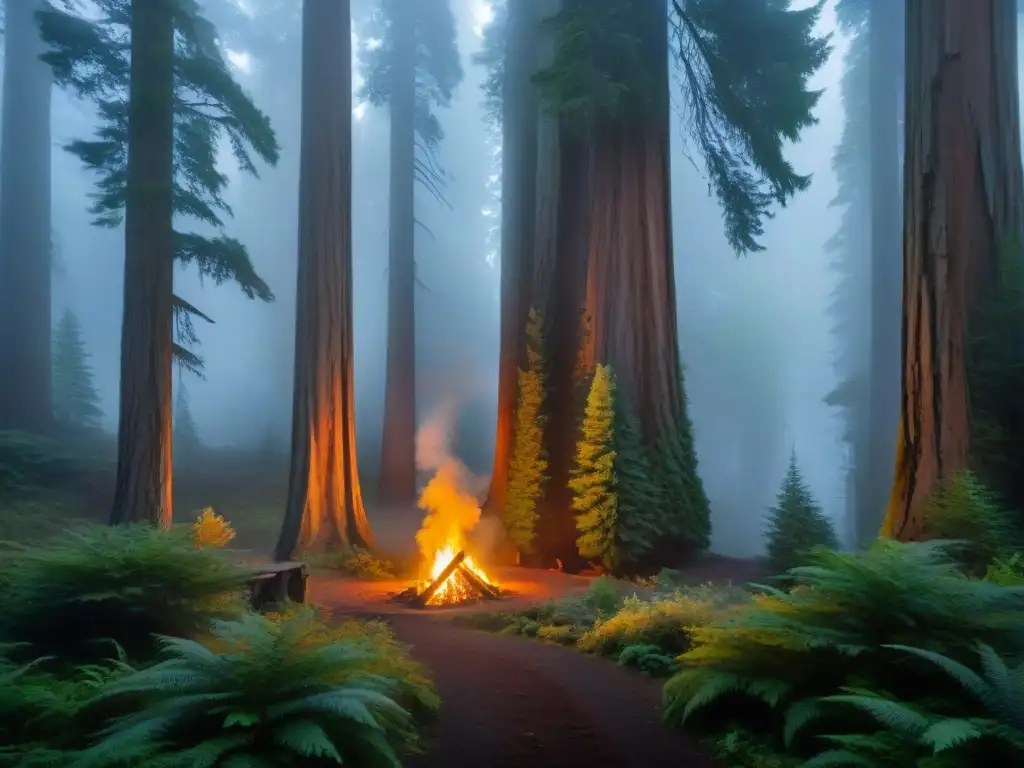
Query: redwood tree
[
  {"x": 325, "y": 506},
  {"x": 164, "y": 101},
  {"x": 963, "y": 213},
  {"x": 608, "y": 82},
  {"x": 25, "y": 225},
  {"x": 413, "y": 71}
]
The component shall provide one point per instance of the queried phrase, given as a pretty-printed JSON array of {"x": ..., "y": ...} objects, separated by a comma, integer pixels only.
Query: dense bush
[
  {"x": 114, "y": 583},
  {"x": 646, "y": 633},
  {"x": 262, "y": 692},
  {"x": 771, "y": 667}
]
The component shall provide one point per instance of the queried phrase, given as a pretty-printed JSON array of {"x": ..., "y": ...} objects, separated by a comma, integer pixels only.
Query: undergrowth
[
  {"x": 356, "y": 564},
  {"x": 646, "y": 633}
]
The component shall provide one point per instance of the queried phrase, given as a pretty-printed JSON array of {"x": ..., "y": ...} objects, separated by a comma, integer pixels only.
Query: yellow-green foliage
[
  {"x": 528, "y": 464},
  {"x": 211, "y": 529},
  {"x": 616, "y": 501},
  {"x": 286, "y": 692},
  {"x": 1007, "y": 571},
  {"x": 963, "y": 509},
  {"x": 766, "y": 666},
  {"x": 665, "y": 621},
  {"x": 123, "y": 583}
]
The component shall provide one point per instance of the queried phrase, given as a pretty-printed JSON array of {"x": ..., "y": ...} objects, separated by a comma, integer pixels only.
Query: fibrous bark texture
[
  {"x": 144, "y": 451},
  {"x": 398, "y": 443},
  {"x": 885, "y": 35},
  {"x": 963, "y": 199},
  {"x": 325, "y": 506},
  {"x": 25, "y": 253},
  {"x": 518, "y": 213}
]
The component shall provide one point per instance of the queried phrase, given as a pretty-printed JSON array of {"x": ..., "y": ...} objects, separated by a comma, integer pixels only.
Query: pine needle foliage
[
  {"x": 616, "y": 501},
  {"x": 598, "y": 72},
  {"x": 796, "y": 524},
  {"x": 90, "y": 52},
  {"x": 688, "y": 511},
  {"x": 962, "y": 509},
  {"x": 70, "y": 596},
  {"x": 260, "y": 692},
  {"x": 76, "y": 403},
  {"x": 528, "y": 466},
  {"x": 767, "y": 666}
]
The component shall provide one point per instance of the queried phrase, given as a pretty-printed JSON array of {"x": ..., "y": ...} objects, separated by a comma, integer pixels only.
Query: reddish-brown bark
[
  {"x": 963, "y": 200},
  {"x": 518, "y": 213},
  {"x": 144, "y": 451},
  {"x": 25, "y": 226},
  {"x": 397, "y": 482},
  {"x": 325, "y": 506}
]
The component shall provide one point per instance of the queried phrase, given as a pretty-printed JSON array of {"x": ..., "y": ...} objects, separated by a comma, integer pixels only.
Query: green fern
[
  {"x": 125, "y": 583},
  {"x": 259, "y": 692},
  {"x": 771, "y": 665}
]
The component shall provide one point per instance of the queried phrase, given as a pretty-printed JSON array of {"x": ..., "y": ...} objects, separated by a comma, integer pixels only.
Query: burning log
[
  {"x": 481, "y": 586},
  {"x": 424, "y": 597}
]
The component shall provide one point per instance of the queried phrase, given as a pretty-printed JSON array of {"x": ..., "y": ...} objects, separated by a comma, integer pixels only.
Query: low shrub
[
  {"x": 1007, "y": 571},
  {"x": 211, "y": 530},
  {"x": 768, "y": 667},
  {"x": 262, "y": 692},
  {"x": 648, "y": 659},
  {"x": 663, "y": 621},
  {"x": 356, "y": 564},
  {"x": 125, "y": 584},
  {"x": 740, "y": 749}
]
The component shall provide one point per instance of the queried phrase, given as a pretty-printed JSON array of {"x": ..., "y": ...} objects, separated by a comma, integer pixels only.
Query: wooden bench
[{"x": 274, "y": 584}]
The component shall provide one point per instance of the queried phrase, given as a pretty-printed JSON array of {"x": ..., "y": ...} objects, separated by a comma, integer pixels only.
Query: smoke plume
[{"x": 452, "y": 510}]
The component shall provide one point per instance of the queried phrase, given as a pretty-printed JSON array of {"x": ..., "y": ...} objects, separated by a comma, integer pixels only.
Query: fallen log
[
  {"x": 481, "y": 586},
  {"x": 426, "y": 594}
]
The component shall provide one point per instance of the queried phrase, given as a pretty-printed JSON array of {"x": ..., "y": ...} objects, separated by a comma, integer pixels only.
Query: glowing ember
[{"x": 456, "y": 588}]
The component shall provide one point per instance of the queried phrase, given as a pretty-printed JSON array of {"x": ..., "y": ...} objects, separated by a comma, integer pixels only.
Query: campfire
[
  {"x": 454, "y": 578},
  {"x": 449, "y": 575}
]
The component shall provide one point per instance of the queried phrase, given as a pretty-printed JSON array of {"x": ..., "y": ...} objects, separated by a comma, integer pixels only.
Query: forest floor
[
  {"x": 510, "y": 701},
  {"x": 506, "y": 701}
]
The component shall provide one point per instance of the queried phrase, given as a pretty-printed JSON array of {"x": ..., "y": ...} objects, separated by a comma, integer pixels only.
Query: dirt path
[{"x": 509, "y": 701}]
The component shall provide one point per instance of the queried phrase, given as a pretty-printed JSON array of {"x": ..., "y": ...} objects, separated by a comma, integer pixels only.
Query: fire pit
[{"x": 454, "y": 579}]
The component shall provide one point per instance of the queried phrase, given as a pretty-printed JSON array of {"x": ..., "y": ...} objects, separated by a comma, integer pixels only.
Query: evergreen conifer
[
  {"x": 615, "y": 499},
  {"x": 796, "y": 524},
  {"x": 687, "y": 509},
  {"x": 528, "y": 466},
  {"x": 75, "y": 400},
  {"x": 186, "y": 436}
]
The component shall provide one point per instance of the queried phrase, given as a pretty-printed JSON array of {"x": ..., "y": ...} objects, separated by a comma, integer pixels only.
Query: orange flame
[{"x": 456, "y": 588}]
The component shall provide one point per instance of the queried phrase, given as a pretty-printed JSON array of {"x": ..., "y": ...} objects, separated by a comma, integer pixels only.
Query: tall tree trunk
[
  {"x": 885, "y": 35},
  {"x": 963, "y": 200},
  {"x": 518, "y": 213},
  {"x": 398, "y": 444},
  {"x": 25, "y": 253},
  {"x": 144, "y": 442},
  {"x": 325, "y": 505}
]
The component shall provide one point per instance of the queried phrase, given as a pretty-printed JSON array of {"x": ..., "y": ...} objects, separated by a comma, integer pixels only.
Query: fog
[{"x": 754, "y": 331}]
